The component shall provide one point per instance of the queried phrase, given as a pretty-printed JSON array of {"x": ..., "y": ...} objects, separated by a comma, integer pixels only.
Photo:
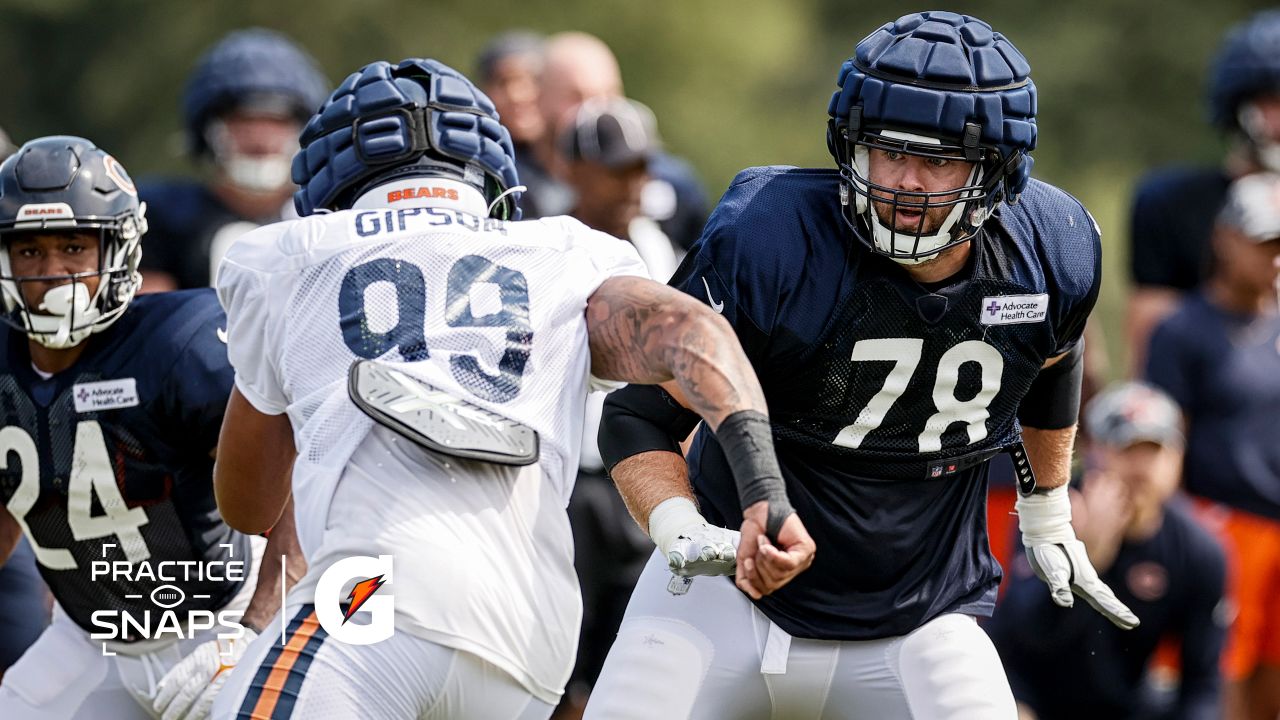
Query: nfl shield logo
[{"x": 936, "y": 471}]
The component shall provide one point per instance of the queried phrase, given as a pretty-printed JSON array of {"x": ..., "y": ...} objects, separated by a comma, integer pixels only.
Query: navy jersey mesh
[
  {"x": 156, "y": 466},
  {"x": 902, "y": 535},
  {"x": 828, "y": 389}
]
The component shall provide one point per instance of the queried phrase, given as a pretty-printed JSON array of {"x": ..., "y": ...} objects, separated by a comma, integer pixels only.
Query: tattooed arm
[{"x": 643, "y": 332}]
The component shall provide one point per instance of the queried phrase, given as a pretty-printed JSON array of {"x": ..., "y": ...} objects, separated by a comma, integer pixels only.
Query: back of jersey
[{"x": 490, "y": 312}]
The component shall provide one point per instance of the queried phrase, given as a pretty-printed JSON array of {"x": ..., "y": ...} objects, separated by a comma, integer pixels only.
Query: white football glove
[
  {"x": 187, "y": 691},
  {"x": 691, "y": 545},
  {"x": 1060, "y": 560}
]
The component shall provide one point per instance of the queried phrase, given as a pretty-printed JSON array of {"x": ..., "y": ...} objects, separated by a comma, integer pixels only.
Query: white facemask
[
  {"x": 1254, "y": 124},
  {"x": 261, "y": 173},
  {"x": 61, "y": 307},
  {"x": 255, "y": 173},
  {"x": 896, "y": 243}
]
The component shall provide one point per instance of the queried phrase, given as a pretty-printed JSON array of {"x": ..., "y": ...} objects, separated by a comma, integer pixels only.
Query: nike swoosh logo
[
  {"x": 717, "y": 306},
  {"x": 222, "y": 335}
]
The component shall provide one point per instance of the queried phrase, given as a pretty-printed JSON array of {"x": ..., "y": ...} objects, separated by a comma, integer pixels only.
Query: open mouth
[{"x": 908, "y": 219}]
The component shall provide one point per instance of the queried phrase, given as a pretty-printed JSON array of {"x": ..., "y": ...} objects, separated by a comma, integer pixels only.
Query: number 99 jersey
[
  {"x": 886, "y": 396},
  {"x": 490, "y": 312}
]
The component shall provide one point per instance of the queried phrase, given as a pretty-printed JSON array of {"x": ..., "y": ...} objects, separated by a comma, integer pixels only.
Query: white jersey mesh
[{"x": 492, "y": 312}]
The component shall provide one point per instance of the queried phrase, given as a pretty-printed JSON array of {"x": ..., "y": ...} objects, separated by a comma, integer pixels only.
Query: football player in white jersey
[{"x": 429, "y": 360}]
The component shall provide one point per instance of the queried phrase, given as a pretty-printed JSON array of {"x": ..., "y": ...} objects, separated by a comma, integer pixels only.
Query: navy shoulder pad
[
  {"x": 1056, "y": 232},
  {"x": 177, "y": 316},
  {"x": 1175, "y": 183},
  {"x": 173, "y": 203},
  {"x": 773, "y": 227},
  {"x": 771, "y": 217}
]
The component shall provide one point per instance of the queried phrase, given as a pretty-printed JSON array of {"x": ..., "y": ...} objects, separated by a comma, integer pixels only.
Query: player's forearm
[
  {"x": 648, "y": 479},
  {"x": 643, "y": 332},
  {"x": 282, "y": 542},
  {"x": 252, "y": 474},
  {"x": 1050, "y": 454}
]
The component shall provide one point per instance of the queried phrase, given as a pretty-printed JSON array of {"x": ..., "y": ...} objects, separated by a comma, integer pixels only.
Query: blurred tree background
[{"x": 734, "y": 83}]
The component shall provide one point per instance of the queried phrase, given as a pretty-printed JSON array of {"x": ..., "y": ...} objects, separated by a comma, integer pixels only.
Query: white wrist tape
[
  {"x": 1045, "y": 518},
  {"x": 670, "y": 518}
]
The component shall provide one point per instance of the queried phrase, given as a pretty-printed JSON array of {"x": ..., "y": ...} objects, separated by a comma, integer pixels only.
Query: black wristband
[
  {"x": 747, "y": 439},
  {"x": 1053, "y": 402}
]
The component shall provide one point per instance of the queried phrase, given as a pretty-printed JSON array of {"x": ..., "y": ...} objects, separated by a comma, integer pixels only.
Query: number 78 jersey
[
  {"x": 859, "y": 363},
  {"x": 885, "y": 396}
]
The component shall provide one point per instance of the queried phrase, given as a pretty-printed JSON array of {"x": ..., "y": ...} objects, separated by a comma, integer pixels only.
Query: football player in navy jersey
[
  {"x": 1174, "y": 207},
  {"x": 243, "y": 107},
  {"x": 908, "y": 322},
  {"x": 1218, "y": 355},
  {"x": 24, "y": 607},
  {"x": 110, "y": 409}
]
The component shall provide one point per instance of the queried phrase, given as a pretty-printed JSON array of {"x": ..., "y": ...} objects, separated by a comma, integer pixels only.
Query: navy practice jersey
[
  {"x": 189, "y": 230},
  {"x": 1224, "y": 370},
  {"x": 885, "y": 398},
  {"x": 112, "y": 459},
  {"x": 1173, "y": 214},
  {"x": 1172, "y": 580}
]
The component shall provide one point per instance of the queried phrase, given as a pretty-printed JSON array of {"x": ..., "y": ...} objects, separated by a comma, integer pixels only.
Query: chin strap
[{"x": 508, "y": 191}]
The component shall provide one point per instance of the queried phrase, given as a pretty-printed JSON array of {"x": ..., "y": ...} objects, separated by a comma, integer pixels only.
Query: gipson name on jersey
[
  {"x": 1014, "y": 309},
  {"x": 105, "y": 395}
]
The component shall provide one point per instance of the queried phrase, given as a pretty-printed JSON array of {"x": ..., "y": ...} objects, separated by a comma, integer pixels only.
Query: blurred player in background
[
  {"x": 429, "y": 357},
  {"x": 509, "y": 71},
  {"x": 111, "y": 411},
  {"x": 243, "y": 107},
  {"x": 577, "y": 67},
  {"x": 908, "y": 324},
  {"x": 606, "y": 150},
  {"x": 24, "y": 609},
  {"x": 1175, "y": 208},
  {"x": 1218, "y": 355},
  {"x": 1144, "y": 542}
]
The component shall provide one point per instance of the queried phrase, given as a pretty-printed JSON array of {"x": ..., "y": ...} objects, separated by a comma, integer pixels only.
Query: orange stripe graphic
[{"x": 280, "y": 670}]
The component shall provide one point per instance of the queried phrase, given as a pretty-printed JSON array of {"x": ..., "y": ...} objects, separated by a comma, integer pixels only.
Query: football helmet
[
  {"x": 934, "y": 85},
  {"x": 253, "y": 67},
  {"x": 1247, "y": 66},
  {"x": 417, "y": 118},
  {"x": 65, "y": 183},
  {"x": 250, "y": 70}
]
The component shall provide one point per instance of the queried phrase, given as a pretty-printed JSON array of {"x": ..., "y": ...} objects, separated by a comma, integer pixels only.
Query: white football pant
[
  {"x": 710, "y": 654},
  {"x": 316, "y": 677},
  {"x": 65, "y": 675}
]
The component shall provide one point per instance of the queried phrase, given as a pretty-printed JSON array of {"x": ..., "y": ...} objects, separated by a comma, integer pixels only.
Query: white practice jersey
[{"x": 491, "y": 312}]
